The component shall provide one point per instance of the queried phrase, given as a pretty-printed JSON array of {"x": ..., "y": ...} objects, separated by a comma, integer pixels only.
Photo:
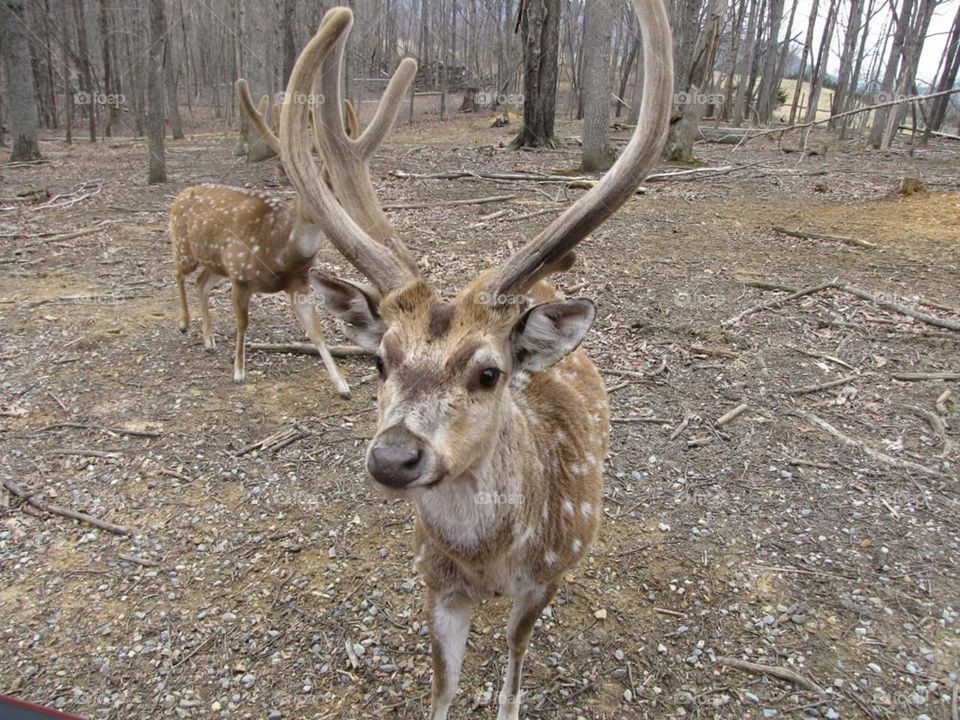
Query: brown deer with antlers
[
  {"x": 262, "y": 244},
  {"x": 490, "y": 419}
]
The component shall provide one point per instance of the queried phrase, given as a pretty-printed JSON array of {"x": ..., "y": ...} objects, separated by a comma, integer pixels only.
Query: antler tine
[
  {"x": 383, "y": 268},
  {"x": 255, "y": 115},
  {"x": 389, "y": 107},
  {"x": 546, "y": 252},
  {"x": 346, "y": 158}
]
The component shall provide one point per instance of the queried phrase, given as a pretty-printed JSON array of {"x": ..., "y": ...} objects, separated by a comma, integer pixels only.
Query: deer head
[{"x": 445, "y": 366}]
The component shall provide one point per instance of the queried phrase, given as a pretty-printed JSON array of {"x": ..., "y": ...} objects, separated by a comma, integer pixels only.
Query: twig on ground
[
  {"x": 649, "y": 419},
  {"x": 776, "y": 671},
  {"x": 809, "y": 235},
  {"x": 31, "y": 500},
  {"x": 807, "y": 389},
  {"x": 83, "y": 452},
  {"x": 731, "y": 414},
  {"x": 917, "y": 377},
  {"x": 941, "y": 401},
  {"x": 821, "y": 355},
  {"x": 448, "y": 203},
  {"x": 936, "y": 424},
  {"x": 308, "y": 349}
]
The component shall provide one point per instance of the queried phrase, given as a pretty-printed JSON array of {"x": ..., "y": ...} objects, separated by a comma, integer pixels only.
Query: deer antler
[
  {"x": 546, "y": 253},
  {"x": 256, "y": 115},
  {"x": 356, "y": 225}
]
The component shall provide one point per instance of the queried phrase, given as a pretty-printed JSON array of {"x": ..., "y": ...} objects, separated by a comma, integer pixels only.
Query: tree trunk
[
  {"x": 109, "y": 104},
  {"x": 683, "y": 132},
  {"x": 741, "y": 101},
  {"x": 637, "y": 97},
  {"x": 158, "y": 30},
  {"x": 170, "y": 82},
  {"x": 540, "y": 29},
  {"x": 820, "y": 67},
  {"x": 804, "y": 55},
  {"x": 846, "y": 81},
  {"x": 21, "y": 101},
  {"x": 597, "y": 154},
  {"x": 768, "y": 89},
  {"x": 86, "y": 74},
  {"x": 65, "y": 64},
  {"x": 902, "y": 21},
  {"x": 948, "y": 77},
  {"x": 286, "y": 38},
  {"x": 741, "y": 10}
]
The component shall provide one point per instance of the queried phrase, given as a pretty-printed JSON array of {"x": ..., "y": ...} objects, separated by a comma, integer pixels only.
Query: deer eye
[
  {"x": 489, "y": 377},
  {"x": 378, "y": 361}
]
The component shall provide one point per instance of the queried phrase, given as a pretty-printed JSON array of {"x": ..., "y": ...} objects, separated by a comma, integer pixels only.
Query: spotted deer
[
  {"x": 261, "y": 243},
  {"x": 491, "y": 420}
]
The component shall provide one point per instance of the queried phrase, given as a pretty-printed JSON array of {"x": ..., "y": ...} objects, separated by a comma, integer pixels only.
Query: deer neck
[
  {"x": 305, "y": 236},
  {"x": 475, "y": 514}
]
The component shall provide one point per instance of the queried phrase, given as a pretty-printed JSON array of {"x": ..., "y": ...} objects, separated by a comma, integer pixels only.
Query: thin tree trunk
[
  {"x": 740, "y": 103},
  {"x": 902, "y": 20},
  {"x": 820, "y": 67},
  {"x": 768, "y": 91},
  {"x": 804, "y": 55},
  {"x": 86, "y": 74},
  {"x": 598, "y": 19},
  {"x": 158, "y": 30}
]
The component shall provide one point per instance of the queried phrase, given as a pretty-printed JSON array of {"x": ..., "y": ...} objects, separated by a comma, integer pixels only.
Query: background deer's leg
[
  {"x": 241, "y": 308},
  {"x": 526, "y": 609},
  {"x": 449, "y": 615},
  {"x": 206, "y": 281},
  {"x": 302, "y": 300},
  {"x": 184, "y": 309}
]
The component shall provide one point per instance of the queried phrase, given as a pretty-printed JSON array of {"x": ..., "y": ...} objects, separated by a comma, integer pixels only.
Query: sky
[{"x": 933, "y": 48}]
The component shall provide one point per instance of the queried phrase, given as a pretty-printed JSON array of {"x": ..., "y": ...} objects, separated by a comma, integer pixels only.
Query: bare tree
[
  {"x": 19, "y": 78},
  {"x": 540, "y": 28},
  {"x": 155, "y": 145},
  {"x": 597, "y": 152},
  {"x": 948, "y": 77},
  {"x": 684, "y": 129},
  {"x": 86, "y": 73}
]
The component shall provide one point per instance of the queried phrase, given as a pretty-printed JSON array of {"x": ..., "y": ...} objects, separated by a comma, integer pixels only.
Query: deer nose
[{"x": 397, "y": 458}]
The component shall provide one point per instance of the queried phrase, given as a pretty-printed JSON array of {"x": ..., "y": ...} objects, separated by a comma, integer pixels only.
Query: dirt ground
[{"x": 817, "y": 531}]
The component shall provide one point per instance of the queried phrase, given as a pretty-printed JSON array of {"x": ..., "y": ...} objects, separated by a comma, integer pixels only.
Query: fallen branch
[
  {"x": 777, "y": 302},
  {"x": 776, "y": 671},
  {"x": 547, "y": 178},
  {"x": 852, "y": 290},
  {"x": 448, "y": 203},
  {"x": 31, "y": 500},
  {"x": 275, "y": 442},
  {"x": 308, "y": 349},
  {"x": 648, "y": 419},
  {"x": 872, "y": 452},
  {"x": 809, "y": 235},
  {"x": 747, "y": 136}
]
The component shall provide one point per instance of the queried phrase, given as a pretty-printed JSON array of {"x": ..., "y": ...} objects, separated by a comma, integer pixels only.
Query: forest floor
[{"x": 251, "y": 571}]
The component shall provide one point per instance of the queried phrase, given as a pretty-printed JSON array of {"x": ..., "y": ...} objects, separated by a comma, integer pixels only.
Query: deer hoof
[{"x": 182, "y": 327}]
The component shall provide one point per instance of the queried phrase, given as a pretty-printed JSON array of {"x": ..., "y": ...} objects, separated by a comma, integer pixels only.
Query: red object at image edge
[{"x": 14, "y": 709}]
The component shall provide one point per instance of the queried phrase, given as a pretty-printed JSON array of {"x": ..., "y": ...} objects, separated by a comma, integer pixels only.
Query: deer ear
[
  {"x": 548, "y": 333},
  {"x": 354, "y": 305}
]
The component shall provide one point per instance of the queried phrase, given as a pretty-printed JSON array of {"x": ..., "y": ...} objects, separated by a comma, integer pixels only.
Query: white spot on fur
[
  {"x": 577, "y": 546},
  {"x": 550, "y": 558},
  {"x": 567, "y": 506},
  {"x": 586, "y": 509}
]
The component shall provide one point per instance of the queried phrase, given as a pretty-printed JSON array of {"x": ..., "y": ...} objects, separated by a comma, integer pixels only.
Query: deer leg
[
  {"x": 241, "y": 307},
  {"x": 526, "y": 609},
  {"x": 206, "y": 281},
  {"x": 302, "y": 301},
  {"x": 184, "y": 309},
  {"x": 449, "y": 625}
]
